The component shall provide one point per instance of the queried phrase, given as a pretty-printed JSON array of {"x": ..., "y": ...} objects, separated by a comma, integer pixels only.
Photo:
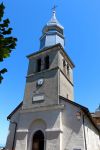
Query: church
[{"x": 48, "y": 118}]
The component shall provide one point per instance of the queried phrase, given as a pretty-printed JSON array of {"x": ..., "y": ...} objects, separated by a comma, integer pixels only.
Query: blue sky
[{"x": 81, "y": 20}]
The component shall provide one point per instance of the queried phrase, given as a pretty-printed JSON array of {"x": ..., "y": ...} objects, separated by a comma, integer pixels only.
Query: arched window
[
  {"x": 68, "y": 70},
  {"x": 46, "y": 62},
  {"x": 38, "y": 141},
  {"x": 38, "y": 65},
  {"x": 64, "y": 66}
]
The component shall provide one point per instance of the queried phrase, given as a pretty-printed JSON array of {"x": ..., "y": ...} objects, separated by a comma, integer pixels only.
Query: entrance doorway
[{"x": 38, "y": 141}]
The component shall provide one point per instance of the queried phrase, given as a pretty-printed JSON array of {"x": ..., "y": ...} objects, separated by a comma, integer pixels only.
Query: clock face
[{"x": 40, "y": 82}]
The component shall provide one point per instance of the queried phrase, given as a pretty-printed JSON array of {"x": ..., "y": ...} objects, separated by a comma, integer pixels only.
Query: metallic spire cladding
[{"x": 52, "y": 33}]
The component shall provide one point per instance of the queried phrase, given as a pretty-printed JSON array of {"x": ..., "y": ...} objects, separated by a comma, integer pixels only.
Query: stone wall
[
  {"x": 49, "y": 89},
  {"x": 92, "y": 135},
  {"x": 66, "y": 89},
  {"x": 72, "y": 129},
  {"x": 47, "y": 121}
]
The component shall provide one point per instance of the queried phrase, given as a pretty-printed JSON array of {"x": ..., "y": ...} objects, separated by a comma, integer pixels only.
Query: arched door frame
[
  {"x": 32, "y": 129},
  {"x": 38, "y": 137},
  {"x": 31, "y": 139}
]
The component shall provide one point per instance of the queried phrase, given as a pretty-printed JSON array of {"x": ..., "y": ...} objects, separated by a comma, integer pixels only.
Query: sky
[{"x": 81, "y": 22}]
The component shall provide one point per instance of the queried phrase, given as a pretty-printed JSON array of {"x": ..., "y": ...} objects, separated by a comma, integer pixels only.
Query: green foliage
[{"x": 7, "y": 43}]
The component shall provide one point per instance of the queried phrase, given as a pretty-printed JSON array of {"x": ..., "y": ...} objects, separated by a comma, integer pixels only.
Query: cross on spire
[{"x": 54, "y": 8}]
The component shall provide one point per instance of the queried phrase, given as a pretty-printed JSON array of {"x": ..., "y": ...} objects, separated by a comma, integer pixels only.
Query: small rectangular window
[
  {"x": 47, "y": 62},
  {"x": 38, "y": 65}
]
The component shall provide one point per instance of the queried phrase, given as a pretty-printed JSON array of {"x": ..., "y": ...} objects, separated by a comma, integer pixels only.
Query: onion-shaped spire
[
  {"x": 52, "y": 32},
  {"x": 53, "y": 21}
]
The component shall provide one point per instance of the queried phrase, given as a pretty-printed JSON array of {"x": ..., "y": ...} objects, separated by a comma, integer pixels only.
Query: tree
[{"x": 7, "y": 43}]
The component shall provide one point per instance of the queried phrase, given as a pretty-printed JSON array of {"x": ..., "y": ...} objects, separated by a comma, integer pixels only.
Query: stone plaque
[{"x": 38, "y": 98}]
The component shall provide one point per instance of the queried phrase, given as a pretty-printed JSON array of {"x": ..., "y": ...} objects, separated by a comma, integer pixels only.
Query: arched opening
[
  {"x": 47, "y": 62},
  {"x": 38, "y": 141}
]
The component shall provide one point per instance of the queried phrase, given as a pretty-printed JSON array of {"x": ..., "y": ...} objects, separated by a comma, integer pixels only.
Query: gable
[
  {"x": 14, "y": 111},
  {"x": 84, "y": 109}
]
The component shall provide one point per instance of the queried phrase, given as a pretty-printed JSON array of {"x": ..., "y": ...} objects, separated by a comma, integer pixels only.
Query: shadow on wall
[
  {"x": 52, "y": 135},
  {"x": 70, "y": 119}
]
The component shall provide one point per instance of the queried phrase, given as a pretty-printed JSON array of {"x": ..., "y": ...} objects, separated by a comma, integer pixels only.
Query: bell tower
[
  {"x": 50, "y": 71},
  {"x": 47, "y": 116}
]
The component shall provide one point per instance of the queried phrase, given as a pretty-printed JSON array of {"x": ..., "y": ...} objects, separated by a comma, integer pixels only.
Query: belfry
[{"x": 48, "y": 118}]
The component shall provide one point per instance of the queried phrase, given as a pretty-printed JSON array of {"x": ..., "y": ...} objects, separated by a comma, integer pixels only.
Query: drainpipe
[
  {"x": 84, "y": 132},
  {"x": 15, "y": 123}
]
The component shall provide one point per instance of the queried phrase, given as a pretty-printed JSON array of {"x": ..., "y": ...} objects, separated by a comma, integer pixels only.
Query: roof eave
[
  {"x": 12, "y": 113},
  {"x": 50, "y": 47},
  {"x": 85, "y": 110}
]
